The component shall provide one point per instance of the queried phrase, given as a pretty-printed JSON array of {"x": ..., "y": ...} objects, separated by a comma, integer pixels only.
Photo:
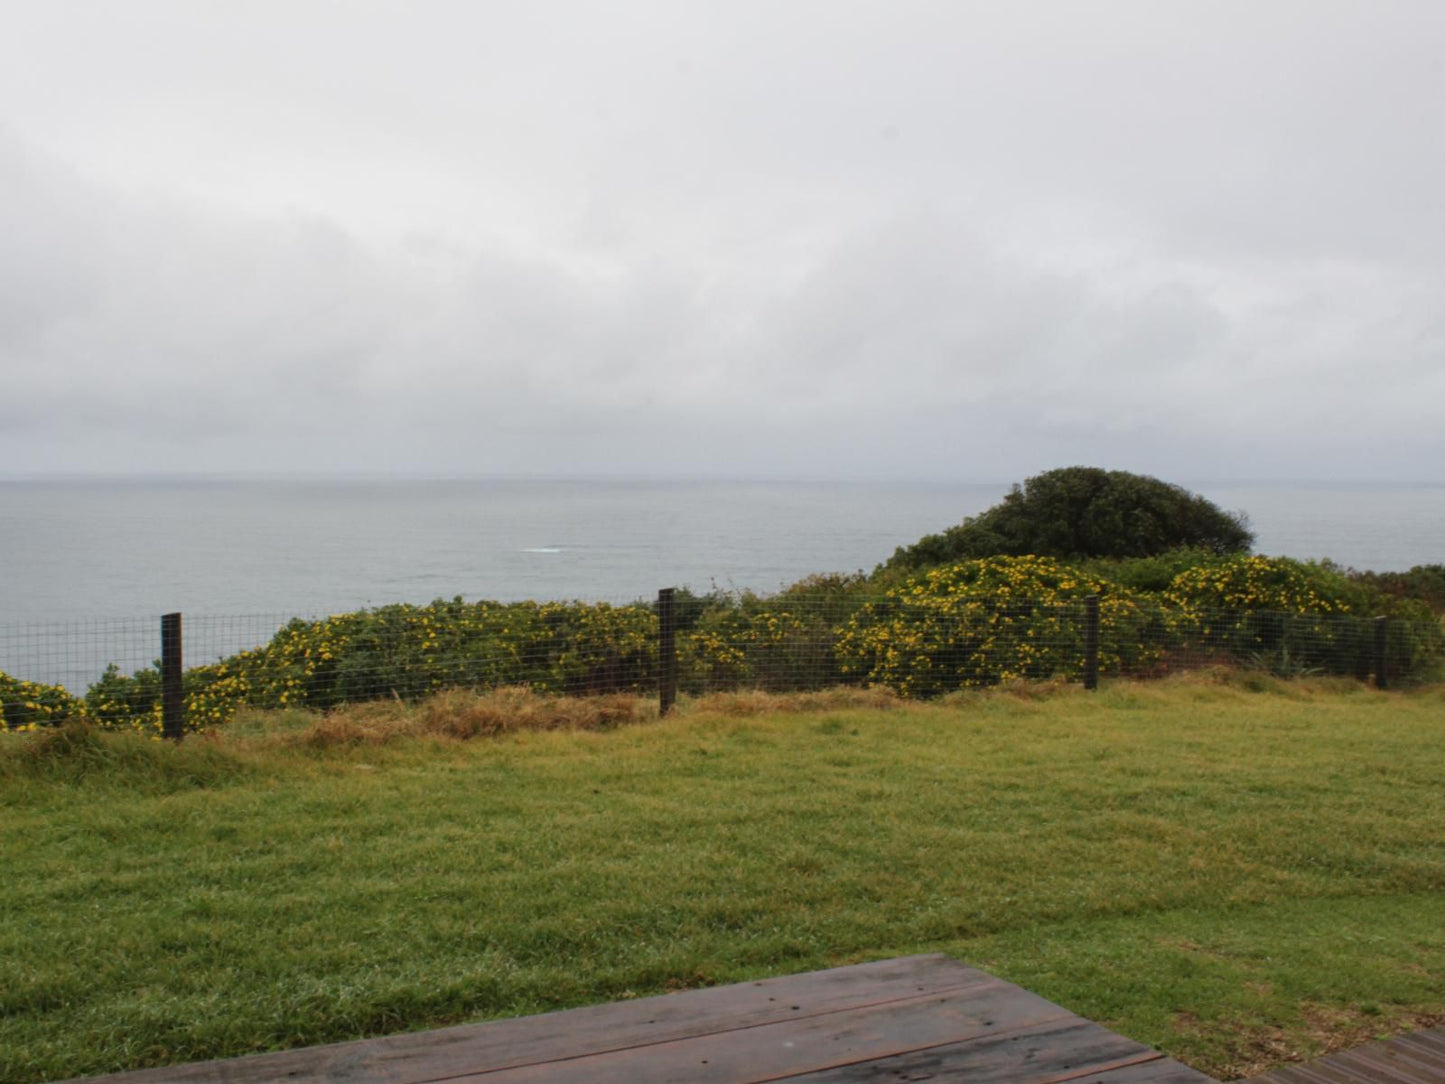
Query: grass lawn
[{"x": 1232, "y": 869}]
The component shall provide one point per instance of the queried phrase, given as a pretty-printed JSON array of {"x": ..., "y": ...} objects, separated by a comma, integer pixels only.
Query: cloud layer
[{"x": 966, "y": 241}]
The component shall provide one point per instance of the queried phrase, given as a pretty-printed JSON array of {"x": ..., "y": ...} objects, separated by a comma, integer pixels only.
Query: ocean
[{"x": 76, "y": 551}]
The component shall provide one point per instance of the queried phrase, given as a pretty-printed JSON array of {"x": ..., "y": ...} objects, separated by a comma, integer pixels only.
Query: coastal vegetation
[
  {"x": 996, "y": 599},
  {"x": 1081, "y": 512},
  {"x": 1234, "y": 868},
  {"x": 920, "y": 633}
]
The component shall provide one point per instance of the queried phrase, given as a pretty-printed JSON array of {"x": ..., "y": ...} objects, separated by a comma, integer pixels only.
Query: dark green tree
[{"x": 1080, "y": 512}]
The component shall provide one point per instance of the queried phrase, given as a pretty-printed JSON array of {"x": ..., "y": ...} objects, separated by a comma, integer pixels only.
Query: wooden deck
[
  {"x": 1418, "y": 1058},
  {"x": 910, "y": 1019}
]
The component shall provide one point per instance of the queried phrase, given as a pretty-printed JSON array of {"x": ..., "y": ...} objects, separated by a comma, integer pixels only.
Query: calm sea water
[{"x": 74, "y": 551}]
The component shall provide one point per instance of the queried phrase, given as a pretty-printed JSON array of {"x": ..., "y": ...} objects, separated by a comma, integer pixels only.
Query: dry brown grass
[
  {"x": 757, "y": 702},
  {"x": 461, "y": 715},
  {"x": 1020, "y": 689}
]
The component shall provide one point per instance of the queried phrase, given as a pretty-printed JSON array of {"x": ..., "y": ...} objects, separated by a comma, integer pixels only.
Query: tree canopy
[{"x": 1078, "y": 512}]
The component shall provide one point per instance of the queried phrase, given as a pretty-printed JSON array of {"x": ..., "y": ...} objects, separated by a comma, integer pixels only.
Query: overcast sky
[{"x": 958, "y": 240}]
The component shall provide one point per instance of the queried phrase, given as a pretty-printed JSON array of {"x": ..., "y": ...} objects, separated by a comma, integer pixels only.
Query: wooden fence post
[
  {"x": 1382, "y": 660},
  {"x": 173, "y": 701},
  {"x": 1091, "y": 642},
  {"x": 666, "y": 651}
]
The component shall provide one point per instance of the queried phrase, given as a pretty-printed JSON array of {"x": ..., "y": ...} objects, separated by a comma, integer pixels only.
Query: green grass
[{"x": 1237, "y": 871}]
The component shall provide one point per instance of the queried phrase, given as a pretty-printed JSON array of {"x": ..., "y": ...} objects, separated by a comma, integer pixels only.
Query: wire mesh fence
[
  {"x": 73, "y": 654},
  {"x": 917, "y": 644}
]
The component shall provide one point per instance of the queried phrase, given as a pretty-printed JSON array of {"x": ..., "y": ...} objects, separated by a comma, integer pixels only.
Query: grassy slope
[{"x": 1234, "y": 876}]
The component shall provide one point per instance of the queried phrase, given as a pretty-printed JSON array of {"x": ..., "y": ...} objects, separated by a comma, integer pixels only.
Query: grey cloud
[
  {"x": 914, "y": 346},
  {"x": 953, "y": 240}
]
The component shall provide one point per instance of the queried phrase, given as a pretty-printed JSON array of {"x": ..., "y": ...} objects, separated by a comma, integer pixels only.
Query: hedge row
[{"x": 970, "y": 624}]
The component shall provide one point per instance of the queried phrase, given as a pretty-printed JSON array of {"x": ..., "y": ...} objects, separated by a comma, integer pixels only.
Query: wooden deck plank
[
  {"x": 1379, "y": 1067},
  {"x": 1313, "y": 1074},
  {"x": 1424, "y": 1051},
  {"x": 1416, "y": 1058},
  {"x": 1294, "y": 1074},
  {"x": 417, "y": 1057},
  {"x": 1160, "y": 1071},
  {"x": 1065, "y": 1049},
  {"x": 892, "y": 1020},
  {"x": 790, "y": 1048}
]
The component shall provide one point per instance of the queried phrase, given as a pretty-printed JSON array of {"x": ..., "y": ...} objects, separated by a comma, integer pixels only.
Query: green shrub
[
  {"x": 747, "y": 646},
  {"x": 1082, "y": 512},
  {"x": 713, "y": 653},
  {"x": 1153, "y": 574},
  {"x": 600, "y": 648},
  {"x": 972, "y": 623},
  {"x": 1423, "y": 583},
  {"x": 997, "y": 619},
  {"x": 1264, "y": 583},
  {"x": 29, "y": 705},
  {"x": 1299, "y": 617},
  {"x": 407, "y": 652}
]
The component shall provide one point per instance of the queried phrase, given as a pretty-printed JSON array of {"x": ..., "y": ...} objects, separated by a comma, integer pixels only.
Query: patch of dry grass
[
  {"x": 1019, "y": 690},
  {"x": 462, "y": 715},
  {"x": 745, "y": 702}
]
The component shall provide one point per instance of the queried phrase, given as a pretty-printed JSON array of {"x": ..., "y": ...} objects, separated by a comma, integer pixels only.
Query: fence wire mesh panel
[
  {"x": 399, "y": 652},
  {"x": 45, "y": 667},
  {"x": 916, "y": 644},
  {"x": 1284, "y": 644}
]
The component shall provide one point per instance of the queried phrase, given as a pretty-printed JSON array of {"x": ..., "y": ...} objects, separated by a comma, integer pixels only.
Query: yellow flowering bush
[
  {"x": 1274, "y": 612},
  {"x": 972, "y": 623},
  {"x": 405, "y": 651},
  {"x": 126, "y": 702},
  {"x": 996, "y": 619},
  {"x": 214, "y": 692},
  {"x": 713, "y": 654},
  {"x": 28, "y": 705},
  {"x": 600, "y": 648},
  {"x": 1299, "y": 617},
  {"x": 1263, "y": 583},
  {"x": 750, "y": 645}
]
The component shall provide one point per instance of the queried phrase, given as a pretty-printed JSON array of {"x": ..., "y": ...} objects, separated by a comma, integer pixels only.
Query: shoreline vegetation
[
  {"x": 993, "y": 599},
  {"x": 921, "y": 633}
]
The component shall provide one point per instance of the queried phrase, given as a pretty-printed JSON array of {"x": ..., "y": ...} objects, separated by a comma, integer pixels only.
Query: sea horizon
[
  {"x": 80, "y": 552},
  {"x": 1192, "y": 483}
]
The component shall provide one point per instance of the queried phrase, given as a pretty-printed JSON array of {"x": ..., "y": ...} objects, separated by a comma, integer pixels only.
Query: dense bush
[
  {"x": 778, "y": 649},
  {"x": 1153, "y": 574},
  {"x": 26, "y": 705},
  {"x": 407, "y": 652},
  {"x": 987, "y": 621},
  {"x": 126, "y": 700},
  {"x": 1082, "y": 512},
  {"x": 1423, "y": 583},
  {"x": 1263, "y": 583},
  {"x": 970, "y": 623},
  {"x": 1298, "y": 617}
]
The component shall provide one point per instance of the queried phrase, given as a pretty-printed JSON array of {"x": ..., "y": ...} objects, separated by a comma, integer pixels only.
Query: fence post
[
  {"x": 1091, "y": 642},
  {"x": 666, "y": 651},
  {"x": 173, "y": 701},
  {"x": 1382, "y": 633}
]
